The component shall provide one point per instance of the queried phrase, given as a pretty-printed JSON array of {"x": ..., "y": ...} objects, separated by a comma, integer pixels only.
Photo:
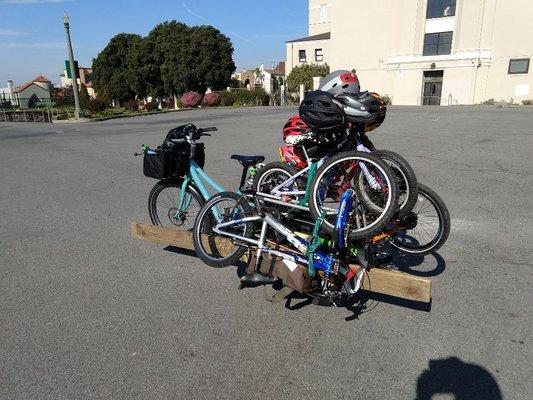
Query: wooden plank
[
  {"x": 398, "y": 284},
  {"x": 383, "y": 281},
  {"x": 161, "y": 235}
]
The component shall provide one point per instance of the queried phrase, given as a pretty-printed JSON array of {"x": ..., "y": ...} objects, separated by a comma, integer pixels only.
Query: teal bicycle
[{"x": 183, "y": 185}]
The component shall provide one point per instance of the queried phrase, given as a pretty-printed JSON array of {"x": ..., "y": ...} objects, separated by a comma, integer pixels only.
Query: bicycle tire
[
  {"x": 444, "y": 225},
  {"x": 272, "y": 168},
  {"x": 156, "y": 204},
  {"x": 203, "y": 231},
  {"x": 406, "y": 181},
  {"x": 385, "y": 214}
]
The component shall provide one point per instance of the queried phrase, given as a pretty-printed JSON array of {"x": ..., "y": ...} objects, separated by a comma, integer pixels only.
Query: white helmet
[{"x": 340, "y": 82}]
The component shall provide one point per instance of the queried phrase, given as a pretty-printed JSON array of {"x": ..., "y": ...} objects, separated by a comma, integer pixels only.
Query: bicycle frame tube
[
  {"x": 322, "y": 261},
  {"x": 198, "y": 176}
]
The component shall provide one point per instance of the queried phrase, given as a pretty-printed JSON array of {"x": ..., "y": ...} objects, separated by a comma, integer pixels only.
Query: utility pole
[{"x": 73, "y": 74}]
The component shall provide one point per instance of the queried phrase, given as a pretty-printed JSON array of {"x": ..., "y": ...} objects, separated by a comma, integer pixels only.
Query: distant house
[
  {"x": 261, "y": 77},
  {"x": 271, "y": 74},
  {"x": 86, "y": 77},
  {"x": 28, "y": 95}
]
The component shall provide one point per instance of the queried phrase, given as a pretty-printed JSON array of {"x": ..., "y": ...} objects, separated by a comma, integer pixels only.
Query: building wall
[
  {"x": 23, "y": 97},
  {"x": 388, "y": 59},
  {"x": 319, "y": 21},
  {"x": 294, "y": 48}
]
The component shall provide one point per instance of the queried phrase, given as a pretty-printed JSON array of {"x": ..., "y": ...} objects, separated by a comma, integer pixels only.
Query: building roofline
[{"x": 320, "y": 36}]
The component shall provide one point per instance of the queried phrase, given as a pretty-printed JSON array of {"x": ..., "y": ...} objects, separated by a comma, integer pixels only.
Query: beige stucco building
[
  {"x": 313, "y": 49},
  {"x": 434, "y": 51}
]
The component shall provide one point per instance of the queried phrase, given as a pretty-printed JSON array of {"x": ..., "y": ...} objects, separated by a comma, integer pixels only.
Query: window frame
[
  {"x": 321, "y": 55},
  {"x": 323, "y": 11},
  {"x": 437, "y": 44},
  {"x": 300, "y": 59},
  {"x": 520, "y": 72},
  {"x": 441, "y": 14}
]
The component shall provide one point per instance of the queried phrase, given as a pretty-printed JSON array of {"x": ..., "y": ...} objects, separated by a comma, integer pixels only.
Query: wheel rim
[
  {"x": 214, "y": 246},
  {"x": 166, "y": 212},
  {"x": 269, "y": 180},
  {"x": 362, "y": 217},
  {"x": 428, "y": 230}
]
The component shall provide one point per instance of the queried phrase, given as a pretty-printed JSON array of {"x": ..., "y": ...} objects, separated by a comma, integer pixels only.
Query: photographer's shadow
[{"x": 460, "y": 380}]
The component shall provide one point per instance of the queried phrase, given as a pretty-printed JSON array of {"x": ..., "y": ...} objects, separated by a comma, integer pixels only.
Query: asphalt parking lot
[{"x": 88, "y": 312}]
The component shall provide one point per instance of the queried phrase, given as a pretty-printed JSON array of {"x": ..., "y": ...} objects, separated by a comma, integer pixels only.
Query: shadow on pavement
[
  {"x": 459, "y": 380},
  {"x": 424, "y": 266}
]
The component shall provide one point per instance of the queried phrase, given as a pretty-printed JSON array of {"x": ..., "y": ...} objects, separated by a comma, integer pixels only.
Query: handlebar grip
[{"x": 209, "y": 129}]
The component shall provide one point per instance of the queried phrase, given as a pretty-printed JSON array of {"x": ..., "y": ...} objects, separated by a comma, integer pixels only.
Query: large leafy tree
[
  {"x": 211, "y": 54},
  {"x": 304, "y": 75},
  {"x": 112, "y": 67},
  {"x": 172, "y": 59}
]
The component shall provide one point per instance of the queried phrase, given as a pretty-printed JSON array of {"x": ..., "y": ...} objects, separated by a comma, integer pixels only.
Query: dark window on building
[
  {"x": 436, "y": 44},
  {"x": 319, "y": 55},
  {"x": 440, "y": 8},
  {"x": 301, "y": 56},
  {"x": 519, "y": 66}
]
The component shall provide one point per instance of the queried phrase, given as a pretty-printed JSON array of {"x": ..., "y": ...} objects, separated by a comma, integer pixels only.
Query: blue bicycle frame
[{"x": 197, "y": 175}]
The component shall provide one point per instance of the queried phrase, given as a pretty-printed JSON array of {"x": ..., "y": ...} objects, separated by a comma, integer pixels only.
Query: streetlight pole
[{"x": 73, "y": 74}]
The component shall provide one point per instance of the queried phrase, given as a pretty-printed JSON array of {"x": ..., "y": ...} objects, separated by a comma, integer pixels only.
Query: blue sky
[{"x": 32, "y": 39}]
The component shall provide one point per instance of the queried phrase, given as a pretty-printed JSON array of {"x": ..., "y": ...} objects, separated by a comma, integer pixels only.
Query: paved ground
[{"x": 85, "y": 311}]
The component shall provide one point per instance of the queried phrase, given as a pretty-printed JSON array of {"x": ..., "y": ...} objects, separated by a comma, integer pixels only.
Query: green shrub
[
  {"x": 489, "y": 102},
  {"x": 227, "y": 99},
  {"x": 256, "y": 97},
  {"x": 527, "y": 102},
  {"x": 96, "y": 105},
  {"x": 304, "y": 75},
  {"x": 151, "y": 106}
]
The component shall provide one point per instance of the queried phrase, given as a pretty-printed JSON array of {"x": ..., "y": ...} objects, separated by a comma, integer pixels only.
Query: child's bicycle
[
  {"x": 228, "y": 224},
  {"x": 183, "y": 185}
]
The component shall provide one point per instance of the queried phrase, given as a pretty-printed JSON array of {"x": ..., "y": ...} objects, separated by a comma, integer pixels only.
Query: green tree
[
  {"x": 84, "y": 96},
  {"x": 304, "y": 75},
  {"x": 194, "y": 58},
  {"x": 112, "y": 67}
]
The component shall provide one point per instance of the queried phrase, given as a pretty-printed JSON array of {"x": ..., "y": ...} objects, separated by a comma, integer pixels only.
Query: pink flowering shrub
[
  {"x": 191, "y": 99},
  {"x": 212, "y": 99}
]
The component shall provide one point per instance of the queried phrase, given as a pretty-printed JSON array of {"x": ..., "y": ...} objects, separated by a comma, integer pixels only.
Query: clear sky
[{"x": 32, "y": 40}]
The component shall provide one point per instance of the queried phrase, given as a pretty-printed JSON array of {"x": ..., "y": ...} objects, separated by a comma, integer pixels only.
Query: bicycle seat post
[{"x": 243, "y": 177}]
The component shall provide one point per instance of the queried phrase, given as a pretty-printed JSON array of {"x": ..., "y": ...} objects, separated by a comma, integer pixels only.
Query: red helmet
[
  {"x": 294, "y": 130},
  {"x": 289, "y": 155}
]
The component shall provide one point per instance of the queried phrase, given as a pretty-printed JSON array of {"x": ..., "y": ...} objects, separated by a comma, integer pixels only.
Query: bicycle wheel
[
  {"x": 431, "y": 225},
  {"x": 164, "y": 205},
  {"x": 214, "y": 249},
  {"x": 342, "y": 172},
  {"x": 405, "y": 179},
  {"x": 275, "y": 173}
]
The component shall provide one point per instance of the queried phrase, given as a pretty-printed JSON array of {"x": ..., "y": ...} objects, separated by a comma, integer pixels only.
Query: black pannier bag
[
  {"x": 169, "y": 162},
  {"x": 159, "y": 165}
]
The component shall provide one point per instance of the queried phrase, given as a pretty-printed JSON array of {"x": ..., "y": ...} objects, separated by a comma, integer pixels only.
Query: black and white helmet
[
  {"x": 322, "y": 112},
  {"x": 340, "y": 82},
  {"x": 368, "y": 110}
]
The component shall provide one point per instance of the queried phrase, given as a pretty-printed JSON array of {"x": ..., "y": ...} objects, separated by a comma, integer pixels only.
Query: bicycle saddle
[
  {"x": 256, "y": 279},
  {"x": 248, "y": 161}
]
